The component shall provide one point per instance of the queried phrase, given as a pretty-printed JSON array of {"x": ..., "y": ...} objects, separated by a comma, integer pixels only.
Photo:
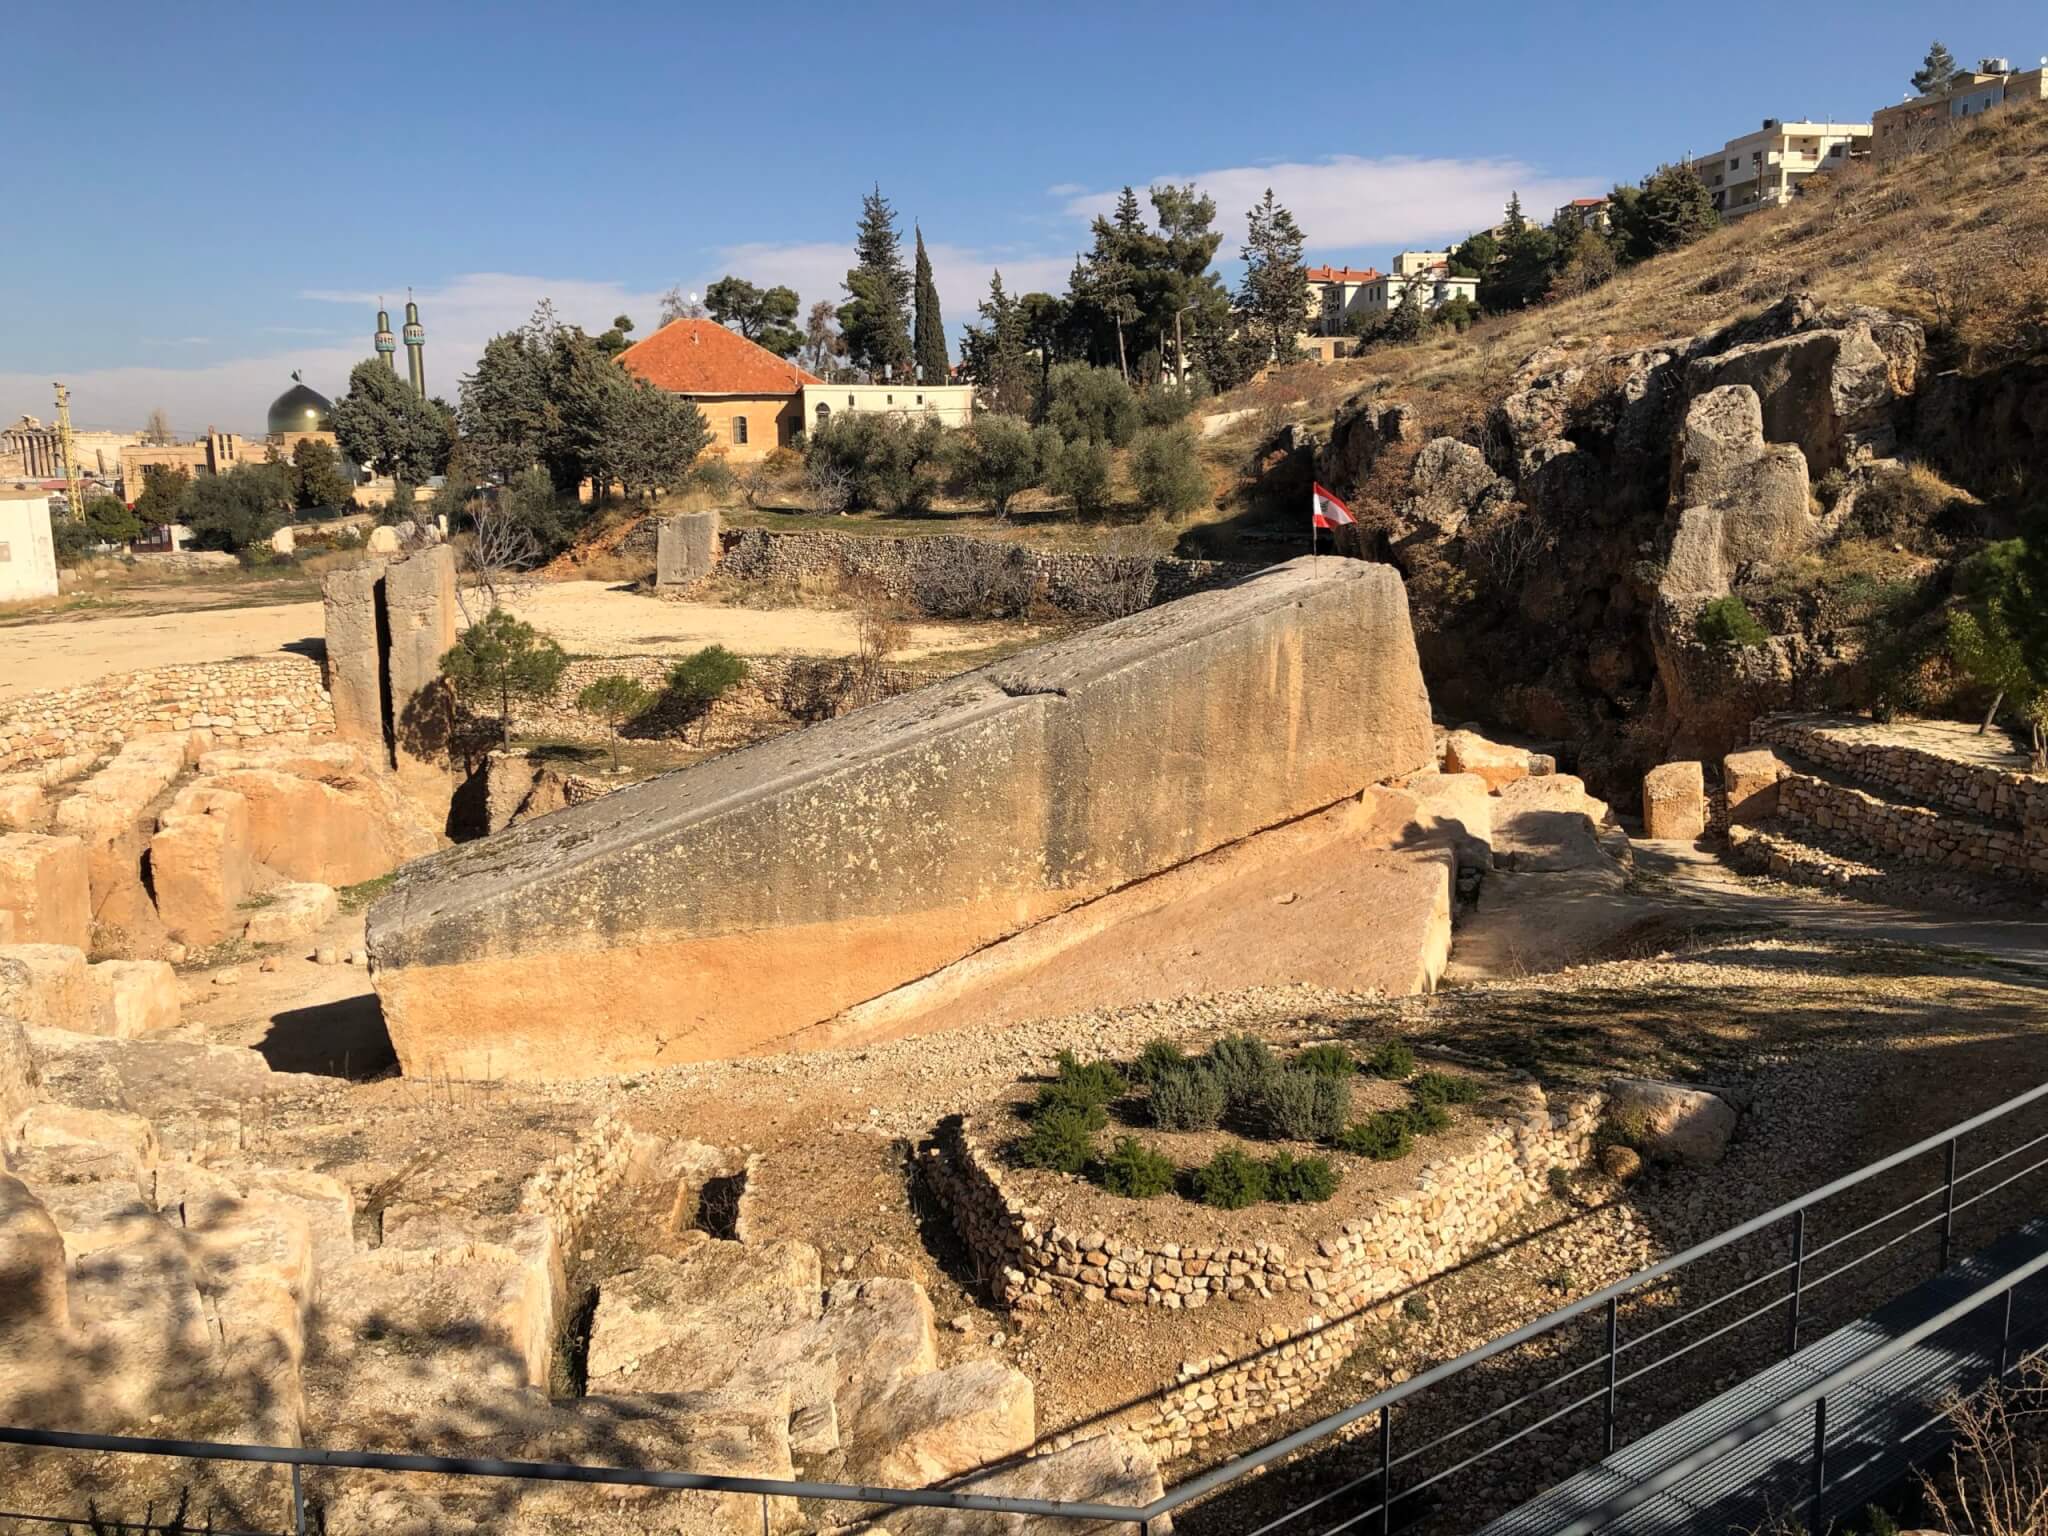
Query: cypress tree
[
  {"x": 1273, "y": 294},
  {"x": 873, "y": 320},
  {"x": 929, "y": 344}
]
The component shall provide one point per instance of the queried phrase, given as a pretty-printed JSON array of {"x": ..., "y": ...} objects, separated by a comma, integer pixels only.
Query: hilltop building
[
  {"x": 1338, "y": 295},
  {"x": 1763, "y": 169},
  {"x": 1586, "y": 213},
  {"x": 1903, "y": 128}
]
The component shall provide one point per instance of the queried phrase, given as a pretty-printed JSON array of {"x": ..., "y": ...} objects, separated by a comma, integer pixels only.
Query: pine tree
[
  {"x": 1272, "y": 299},
  {"x": 878, "y": 290},
  {"x": 1935, "y": 72},
  {"x": 929, "y": 344},
  {"x": 996, "y": 355},
  {"x": 1514, "y": 222}
]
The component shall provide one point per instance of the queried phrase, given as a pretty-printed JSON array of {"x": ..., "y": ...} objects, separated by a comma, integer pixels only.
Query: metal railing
[{"x": 1379, "y": 1482}]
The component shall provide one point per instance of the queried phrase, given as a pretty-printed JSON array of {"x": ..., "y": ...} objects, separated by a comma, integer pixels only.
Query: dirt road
[{"x": 588, "y": 617}]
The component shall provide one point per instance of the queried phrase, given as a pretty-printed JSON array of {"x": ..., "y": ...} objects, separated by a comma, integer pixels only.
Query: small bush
[
  {"x": 1166, "y": 469},
  {"x": 1097, "y": 1082},
  {"x": 1230, "y": 1180},
  {"x": 1242, "y": 1063},
  {"x": 1304, "y": 1106},
  {"x": 1726, "y": 624},
  {"x": 1077, "y": 470},
  {"x": 1325, "y": 1061},
  {"x": 1062, "y": 1138},
  {"x": 1384, "y": 1136},
  {"x": 1392, "y": 1061},
  {"x": 1158, "y": 1058},
  {"x": 1189, "y": 1098},
  {"x": 1091, "y": 405},
  {"x": 1445, "y": 1088},
  {"x": 1135, "y": 1171},
  {"x": 1427, "y": 1119},
  {"x": 1293, "y": 1181}
]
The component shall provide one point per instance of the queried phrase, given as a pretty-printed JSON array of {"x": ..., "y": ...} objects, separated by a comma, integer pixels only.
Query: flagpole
[{"x": 1315, "y": 552}]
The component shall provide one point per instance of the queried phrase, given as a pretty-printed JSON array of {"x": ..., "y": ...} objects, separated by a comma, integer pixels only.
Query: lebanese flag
[{"x": 1326, "y": 511}]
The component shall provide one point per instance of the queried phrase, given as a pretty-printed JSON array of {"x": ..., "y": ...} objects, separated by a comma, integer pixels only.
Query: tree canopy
[
  {"x": 382, "y": 423},
  {"x": 928, "y": 342},
  {"x": 1272, "y": 297},
  {"x": 878, "y": 292},
  {"x": 1935, "y": 71},
  {"x": 318, "y": 479},
  {"x": 240, "y": 508},
  {"x": 765, "y": 316},
  {"x": 994, "y": 355}
]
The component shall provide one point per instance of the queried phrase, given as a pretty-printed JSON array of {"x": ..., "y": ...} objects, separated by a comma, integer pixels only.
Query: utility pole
[
  {"x": 74, "y": 492},
  {"x": 1180, "y": 356}
]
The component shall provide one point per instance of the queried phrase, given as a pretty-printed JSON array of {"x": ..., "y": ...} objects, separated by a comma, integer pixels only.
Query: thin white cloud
[
  {"x": 1352, "y": 201},
  {"x": 299, "y": 330},
  {"x": 1066, "y": 189},
  {"x": 177, "y": 341}
]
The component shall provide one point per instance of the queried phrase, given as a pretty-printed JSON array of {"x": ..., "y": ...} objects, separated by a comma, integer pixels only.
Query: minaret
[
  {"x": 387, "y": 344},
  {"x": 415, "y": 349}
]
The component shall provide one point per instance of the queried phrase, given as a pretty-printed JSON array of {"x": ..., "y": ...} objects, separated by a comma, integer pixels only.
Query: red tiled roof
[
  {"x": 1342, "y": 275},
  {"x": 701, "y": 357},
  {"x": 1588, "y": 202}
]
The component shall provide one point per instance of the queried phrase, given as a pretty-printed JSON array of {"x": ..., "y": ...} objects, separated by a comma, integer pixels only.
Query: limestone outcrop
[
  {"x": 728, "y": 908},
  {"x": 1741, "y": 498},
  {"x": 1675, "y": 802}
]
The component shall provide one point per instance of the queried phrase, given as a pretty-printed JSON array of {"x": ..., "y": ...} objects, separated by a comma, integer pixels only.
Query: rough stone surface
[
  {"x": 355, "y": 658},
  {"x": 293, "y": 911},
  {"x": 420, "y": 613},
  {"x": 21, "y": 1084},
  {"x": 1549, "y": 825},
  {"x": 1830, "y": 392},
  {"x": 1103, "y": 1469},
  {"x": 1671, "y": 1122},
  {"x": 1450, "y": 485},
  {"x": 384, "y": 540},
  {"x": 1675, "y": 802},
  {"x": 200, "y": 864},
  {"x": 33, "y": 1293},
  {"x": 1750, "y": 781},
  {"x": 49, "y": 986},
  {"x": 1361, "y": 432},
  {"x": 136, "y": 997},
  {"x": 688, "y": 548},
  {"x": 876, "y": 847},
  {"x": 110, "y": 813},
  {"x": 1466, "y": 751},
  {"x": 1741, "y": 499},
  {"x": 43, "y": 883},
  {"x": 24, "y": 805},
  {"x": 939, "y": 1425}
]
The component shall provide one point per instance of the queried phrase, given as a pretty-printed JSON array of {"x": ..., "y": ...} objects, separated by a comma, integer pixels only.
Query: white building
[
  {"x": 1764, "y": 169},
  {"x": 28, "y": 552},
  {"x": 951, "y": 404},
  {"x": 1337, "y": 294}
]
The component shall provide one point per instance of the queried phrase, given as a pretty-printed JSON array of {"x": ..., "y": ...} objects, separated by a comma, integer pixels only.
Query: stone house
[{"x": 751, "y": 399}]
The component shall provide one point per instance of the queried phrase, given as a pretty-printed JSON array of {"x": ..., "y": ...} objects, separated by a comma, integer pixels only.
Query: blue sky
[{"x": 241, "y": 182}]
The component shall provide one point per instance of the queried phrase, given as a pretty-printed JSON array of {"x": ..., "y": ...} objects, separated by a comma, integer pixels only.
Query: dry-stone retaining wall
[
  {"x": 268, "y": 696},
  {"x": 948, "y": 573},
  {"x": 1458, "y": 1205},
  {"x": 1999, "y": 850},
  {"x": 1869, "y": 753}
]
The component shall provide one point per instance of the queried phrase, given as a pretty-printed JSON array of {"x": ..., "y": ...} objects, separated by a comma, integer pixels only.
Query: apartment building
[
  {"x": 1906, "y": 126},
  {"x": 1337, "y": 295},
  {"x": 1763, "y": 169}
]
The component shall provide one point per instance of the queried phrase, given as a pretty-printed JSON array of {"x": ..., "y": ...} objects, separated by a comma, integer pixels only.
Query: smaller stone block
[
  {"x": 1671, "y": 1122},
  {"x": 136, "y": 997},
  {"x": 1751, "y": 780},
  {"x": 43, "y": 883},
  {"x": 1675, "y": 802},
  {"x": 1466, "y": 751},
  {"x": 293, "y": 912},
  {"x": 383, "y": 540},
  {"x": 23, "y": 805},
  {"x": 49, "y": 986},
  {"x": 686, "y": 549}
]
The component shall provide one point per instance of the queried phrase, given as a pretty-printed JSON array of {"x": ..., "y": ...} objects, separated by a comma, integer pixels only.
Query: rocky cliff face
[{"x": 1560, "y": 555}]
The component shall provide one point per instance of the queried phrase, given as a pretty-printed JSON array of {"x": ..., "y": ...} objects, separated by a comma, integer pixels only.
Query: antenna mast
[{"x": 74, "y": 494}]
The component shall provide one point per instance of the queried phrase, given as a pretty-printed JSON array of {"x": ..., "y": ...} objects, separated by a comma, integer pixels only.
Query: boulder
[
  {"x": 1449, "y": 486},
  {"x": 1831, "y": 392},
  {"x": 1675, "y": 802},
  {"x": 1670, "y": 1122},
  {"x": 936, "y": 1426},
  {"x": 384, "y": 539},
  {"x": 144, "y": 1327},
  {"x": 24, "y": 807},
  {"x": 686, "y": 548},
  {"x": 980, "y": 805},
  {"x": 33, "y": 1291},
  {"x": 1363, "y": 430},
  {"x": 692, "y": 1322},
  {"x": 292, "y": 912},
  {"x": 49, "y": 986},
  {"x": 1533, "y": 413},
  {"x": 128, "y": 1141},
  {"x": 136, "y": 997},
  {"x": 1741, "y": 500},
  {"x": 43, "y": 883},
  {"x": 200, "y": 864},
  {"x": 1466, "y": 751},
  {"x": 1461, "y": 806},
  {"x": 93, "y": 1214},
  {"x": 1106, "y": 1469},
  {"x": 1751, "y": 781},
  {"x": 1549, "y": 825}
]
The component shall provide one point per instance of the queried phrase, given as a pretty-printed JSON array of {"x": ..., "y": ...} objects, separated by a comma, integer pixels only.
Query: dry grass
[{"x": 1996, "y": 1480}]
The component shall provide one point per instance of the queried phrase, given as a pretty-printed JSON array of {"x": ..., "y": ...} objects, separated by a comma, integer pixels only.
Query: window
[
  {"x": 1735, "y": 164},
  {"x": 920, "y": 399},
  {"x": 824, "y": 413},
  {"x": 888, "y": 399},
  {"x": 739, "y": 430},
  {"x": 849, "y": 402}
]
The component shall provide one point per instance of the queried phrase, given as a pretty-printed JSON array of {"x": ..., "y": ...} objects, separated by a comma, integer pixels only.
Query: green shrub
[
  {"x": 994, "y": 460},
  {"x": 1078, "y": 470},
  {"x": 1304, "y": 1106},
  {"x": 1444, "y": 1088},
  {"x": 1166, "y": 469},
  {"x": 1392, "y": 1061},
  {"x": 1292, "y": 1181},
  {"x": 1325, "y": 1061},
  {"x": 1189, "y": 1098},
  {"x": 1427, "y": 1119},
  {"x": 1385, "y": 1136},
  {"x": 1726, "y": 624},
  {"x": 1230, "y": 1180},
  {"x": 1135, "y": 1171},
  {"x": 1158, "y": 1058},
  {"x": 1096, "y": 1081},
  {"x": 1091, "y": 405},
  {"x": 1242, "y": 1063},
  {"x": 1062, "y": 1138}
]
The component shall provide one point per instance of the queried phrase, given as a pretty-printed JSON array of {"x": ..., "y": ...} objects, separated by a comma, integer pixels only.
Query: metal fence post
[
  {"x": 2005, "y": 1339},
  {"x": 1816, "y": 1521},
  {"x": 1798, "y": 1278},
  {"x": 1386, "y": 1467},
  {"x": 1613, "y": 1370},
  {"x": 764, "y": 1515},
  {"x": 1948, "y": 1213},
  {"x": 298, "y": 1504}
]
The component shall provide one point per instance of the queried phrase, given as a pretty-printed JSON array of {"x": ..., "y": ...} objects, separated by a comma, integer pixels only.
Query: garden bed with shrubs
[{"x": 1242, "y": 1140}]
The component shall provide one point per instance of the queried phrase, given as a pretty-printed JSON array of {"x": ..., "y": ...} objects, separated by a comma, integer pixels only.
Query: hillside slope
[{"x": 1566, "y": 502}]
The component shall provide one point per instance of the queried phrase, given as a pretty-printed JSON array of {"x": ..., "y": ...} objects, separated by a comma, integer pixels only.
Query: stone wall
[
  {"x": 268, "y": 696},
  {"x": 940, "y": 573},
  {"x": 1872, "y": 754},
  {"x": 1458, "y": 1205},
  {"x": 1997, "y": 850}
]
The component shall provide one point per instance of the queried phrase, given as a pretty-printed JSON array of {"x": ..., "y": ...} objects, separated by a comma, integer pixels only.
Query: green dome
[{"x": 300, "y": 409}]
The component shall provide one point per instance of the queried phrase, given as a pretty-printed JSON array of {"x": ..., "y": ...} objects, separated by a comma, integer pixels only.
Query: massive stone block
[
  {"x": 49, "y": 986},
  {"x": 686, "y": 547},
  {"x": 1741, "y": 499},
  {"x": 721, "y": 910},
  {"x": 43, "y": 883},
  {"x": 1674, "y": 802},
  {"x": 199, "y": 864},
  {"x": 110, "y": 815},
  {"x": 355, "y": 653},
  {"x": 419, "y": 609}
]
